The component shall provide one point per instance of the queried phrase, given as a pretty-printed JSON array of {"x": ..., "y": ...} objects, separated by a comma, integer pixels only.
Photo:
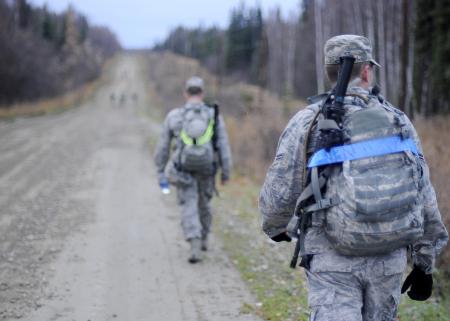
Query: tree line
[
  {"x": 285, "y": 54},
  {"x": 43, "y": 53}
]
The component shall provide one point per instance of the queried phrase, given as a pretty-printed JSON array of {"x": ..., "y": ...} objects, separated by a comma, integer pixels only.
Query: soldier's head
[
  {"x": 194, "y": 88},
  {"x": 350, "y": 45}
]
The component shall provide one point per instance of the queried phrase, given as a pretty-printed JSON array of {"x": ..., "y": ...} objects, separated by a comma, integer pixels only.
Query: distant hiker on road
[
  {"x": 123, "y": 99},
  {"x": 350, "y": 182},
  {"x": 200, "y": 147}
]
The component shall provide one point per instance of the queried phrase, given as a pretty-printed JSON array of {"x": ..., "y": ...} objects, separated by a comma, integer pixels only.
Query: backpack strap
[
  {"x": 180, "y": 141},
  {"x": 299, "y": 216},
  {"x": 363, "y": 149}
]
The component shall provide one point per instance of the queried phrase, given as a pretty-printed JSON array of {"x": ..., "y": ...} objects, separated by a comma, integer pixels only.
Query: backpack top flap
[
  {"x": 196, "y": 120},
  {"x": 371, "y": 122},
  {"x": 196, "y": 153}
]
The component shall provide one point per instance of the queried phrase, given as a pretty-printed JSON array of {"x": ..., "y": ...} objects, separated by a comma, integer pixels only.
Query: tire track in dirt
[{"x": 85, "y": 233}]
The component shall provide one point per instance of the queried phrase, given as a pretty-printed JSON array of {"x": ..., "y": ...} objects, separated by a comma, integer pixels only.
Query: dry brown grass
[
  {"x": 435, "y": 137},
  {"x": 55, "y": 104},
  {"x": 254, "y": 116},
  {"x": 255, "y": 119}
]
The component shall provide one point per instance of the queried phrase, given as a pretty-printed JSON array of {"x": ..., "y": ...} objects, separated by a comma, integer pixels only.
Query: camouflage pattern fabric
[
  {"x": 283, "y": 182},
  {"x": 194, "y": 201},
  {"x": 194, "y": 191},
  {"x": 377, "y": 208},
  {"x": 195, "y": 82},
  {"x": 343, "y": 288},
  {"x": 348, "y": 45},
  {"x": 279, "y": 193},
  {"x": 168, "y": 141},
  {"x": 197, "y": 154}
]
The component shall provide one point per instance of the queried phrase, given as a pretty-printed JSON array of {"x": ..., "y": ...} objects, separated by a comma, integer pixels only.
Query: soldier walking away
[
  {"x": 350, "y": 182},
  {"x": 123, "y": 99},
  {"x": 200, "y": 147},
  {"x": 135, "y": 98}
]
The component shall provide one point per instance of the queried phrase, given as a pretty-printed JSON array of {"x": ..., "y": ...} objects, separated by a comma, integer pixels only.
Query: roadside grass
[
  {"x": 255, "y": 119},
  {"x": 58, "y": 104},
  {"x": 263, "y": 264},
  {"x": 254, "y": 116},
  {"x": 434, "y": 133},
  {"x": 280, "y": 291},
  {"x": 437, "y": 308}
]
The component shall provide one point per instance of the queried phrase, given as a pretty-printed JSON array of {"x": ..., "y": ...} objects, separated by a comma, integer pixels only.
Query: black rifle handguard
[
  {"x": 335, "y": 110},
  {"x": 345, "y": 72}
]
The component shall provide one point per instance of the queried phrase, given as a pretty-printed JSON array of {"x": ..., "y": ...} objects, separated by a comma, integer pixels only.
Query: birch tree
[
  {"x": 380, "y": 43},
  {"x": 318, "y": 4}
]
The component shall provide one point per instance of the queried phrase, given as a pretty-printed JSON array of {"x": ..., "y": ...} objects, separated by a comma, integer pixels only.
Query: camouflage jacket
[
  {"x": 168, "y": 142},
  {"x": 284, "y": 181}
]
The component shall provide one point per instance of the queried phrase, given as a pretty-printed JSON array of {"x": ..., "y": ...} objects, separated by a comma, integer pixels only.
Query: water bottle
[{"x": 164, "y": 185}]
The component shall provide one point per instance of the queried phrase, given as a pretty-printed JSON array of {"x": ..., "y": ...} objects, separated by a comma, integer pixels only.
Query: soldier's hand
[
  {"x": 281, "y": 237},
  {"x": 224, "y": 179},
  {"x": 421, "y": 284},
  {"x": 162, "y": 177}
]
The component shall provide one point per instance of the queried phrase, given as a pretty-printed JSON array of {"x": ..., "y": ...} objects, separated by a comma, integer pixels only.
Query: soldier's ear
[{"x": 366, "y": 73}]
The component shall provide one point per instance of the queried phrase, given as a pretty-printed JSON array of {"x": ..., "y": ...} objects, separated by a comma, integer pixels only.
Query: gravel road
[{"x": 85, "y": 233}]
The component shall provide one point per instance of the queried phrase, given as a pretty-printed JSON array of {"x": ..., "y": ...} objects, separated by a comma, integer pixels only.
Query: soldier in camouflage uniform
[
  {"x": 194, "y": 191},
  {"x": 340, "y": 287}
]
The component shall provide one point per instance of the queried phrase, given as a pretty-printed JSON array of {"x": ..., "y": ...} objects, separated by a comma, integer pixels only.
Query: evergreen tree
[
  {"x": 440, "y": 64},
  {"x": 84, "y": 28},
  {"x": 48, "y": 26},
  {"x": 432, "y": 58},
  {"x": 244, "y": 36}
]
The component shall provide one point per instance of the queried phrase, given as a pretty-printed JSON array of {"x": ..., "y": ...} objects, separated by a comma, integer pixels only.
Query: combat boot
[
  {"x": 195, "y": 256},
  {"x": 205, "y": 243}
]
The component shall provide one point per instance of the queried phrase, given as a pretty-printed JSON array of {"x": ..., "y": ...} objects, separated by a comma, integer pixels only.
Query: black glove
[
  {"x": 281, "y": 237},
  {"x": 224, "y": 179},
  {"x": 421, "y": 284}
]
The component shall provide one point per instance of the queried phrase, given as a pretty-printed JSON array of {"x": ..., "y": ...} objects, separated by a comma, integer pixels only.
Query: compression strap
[
  {"x": 364, "y": 149},
  {"x": 205, "y": 138}
]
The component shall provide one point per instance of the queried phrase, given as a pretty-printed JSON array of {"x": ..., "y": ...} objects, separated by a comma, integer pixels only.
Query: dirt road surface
[{"x": 85, "y": 233}]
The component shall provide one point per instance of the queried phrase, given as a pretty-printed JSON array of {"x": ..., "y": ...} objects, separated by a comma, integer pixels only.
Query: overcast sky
[{"x": 141, "y": 23}]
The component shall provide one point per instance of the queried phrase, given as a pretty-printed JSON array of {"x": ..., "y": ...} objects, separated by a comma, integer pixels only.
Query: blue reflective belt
[{"x": 370, "y": 148}]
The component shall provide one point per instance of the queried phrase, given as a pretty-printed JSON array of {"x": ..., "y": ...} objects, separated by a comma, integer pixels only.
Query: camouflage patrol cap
[
  {"x": 348, "y": 45},
  {"x": 195, "y": 82}
]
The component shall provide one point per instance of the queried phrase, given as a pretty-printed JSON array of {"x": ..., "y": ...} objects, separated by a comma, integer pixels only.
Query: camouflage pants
[
  {"x": 194, "y": 200},
  {"x": 342, "y": 288}
]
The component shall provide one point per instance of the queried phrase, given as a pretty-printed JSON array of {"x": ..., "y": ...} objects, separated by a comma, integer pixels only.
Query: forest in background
[
  {"x": 283, "y": 58},
  {"x": 411, "y": 40},
  {"x": 45, "y": 54}
]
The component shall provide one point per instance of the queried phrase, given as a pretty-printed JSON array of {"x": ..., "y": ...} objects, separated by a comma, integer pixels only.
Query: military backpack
[
  {"x": 196, "y": 139},
  {"x": 369, "y": 188}
]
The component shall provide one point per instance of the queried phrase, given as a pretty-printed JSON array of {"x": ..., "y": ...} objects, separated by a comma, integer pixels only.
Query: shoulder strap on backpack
[{"x": 301, "y": 221}]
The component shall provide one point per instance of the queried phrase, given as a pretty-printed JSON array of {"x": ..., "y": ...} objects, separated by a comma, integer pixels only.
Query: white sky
[{"x": 141, "y": 23}]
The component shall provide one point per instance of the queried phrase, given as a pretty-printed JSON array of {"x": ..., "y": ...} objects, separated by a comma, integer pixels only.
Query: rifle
[
  {"x": 331, "y": 134},
  {"x": 330, "y": 128},
  {"x": 215, "y": 107}
]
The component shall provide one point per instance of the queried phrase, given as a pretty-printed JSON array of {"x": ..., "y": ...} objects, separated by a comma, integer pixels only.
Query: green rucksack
[
  {"x": 196, "y": 139},
  {"x": 376, "y": 199},
  {"x": 369, "y": 188}
]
